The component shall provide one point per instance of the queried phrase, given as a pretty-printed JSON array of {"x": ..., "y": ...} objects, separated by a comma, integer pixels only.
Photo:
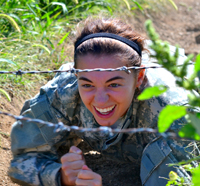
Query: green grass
[{"x": 39, "y": 36}]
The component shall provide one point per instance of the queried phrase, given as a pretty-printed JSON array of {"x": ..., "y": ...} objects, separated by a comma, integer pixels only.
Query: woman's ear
[{"x": 141, "y": 76}]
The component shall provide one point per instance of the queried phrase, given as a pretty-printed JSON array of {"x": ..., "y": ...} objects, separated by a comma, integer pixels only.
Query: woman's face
[{"x": 107, "y": 95}]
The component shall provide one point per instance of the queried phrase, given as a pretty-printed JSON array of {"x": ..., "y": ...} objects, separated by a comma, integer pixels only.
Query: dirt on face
[{"x": 180, "y": 27}]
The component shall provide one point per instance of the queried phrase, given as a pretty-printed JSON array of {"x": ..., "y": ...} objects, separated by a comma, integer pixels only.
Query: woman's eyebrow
[
  {"x": 109, "y": 80},
  {"x": 85, "y": 79},
  {"x": 114, "y": 78}
]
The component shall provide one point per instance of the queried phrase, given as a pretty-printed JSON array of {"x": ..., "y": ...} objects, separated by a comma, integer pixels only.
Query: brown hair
[{"x": 108, "y": 46}]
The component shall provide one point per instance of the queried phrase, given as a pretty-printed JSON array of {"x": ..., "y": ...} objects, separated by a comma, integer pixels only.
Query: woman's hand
[
  {"x": 72, "y": 164},
  {"x": 86, "y": 177}
]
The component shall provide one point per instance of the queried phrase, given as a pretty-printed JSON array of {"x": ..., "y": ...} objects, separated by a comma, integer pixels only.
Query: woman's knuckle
[
  {"x": 68, "y": 173},
  {"x": 66, "y": 166},
  {"x": 71, "y": 181},
  {"x": 97, "y": 183},
  {"x": 77, "y": 181},
  {"x": 99, "y": 177}
]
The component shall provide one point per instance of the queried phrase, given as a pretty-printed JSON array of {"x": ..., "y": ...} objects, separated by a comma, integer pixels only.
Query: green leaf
[
  {"x": 168, "y": 115},
  {"x": 195, "y": 176},
  {"x": 188, "y": 131},
  {"x": 7, "y": 61},
  {"x": 195, "y": 121},
  {"x": 152, "y": 91},
  {"x": 5, "y": 94},
  {"x": 48, "y": 40},
  {"x": 138, "y": 5},
  {"x": 197, "y": 64},
  {"x": 173, "y": 176},
  {"x": 63, "y": 38},
  {"x": 76, "y": 1}
]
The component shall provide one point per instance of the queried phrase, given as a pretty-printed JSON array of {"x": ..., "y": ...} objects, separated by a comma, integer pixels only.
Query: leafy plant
[{"x": 173, "y": 112}]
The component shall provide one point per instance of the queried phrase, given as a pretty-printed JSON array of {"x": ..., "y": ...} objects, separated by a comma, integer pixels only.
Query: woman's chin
[{"x": 105, "y": 123}]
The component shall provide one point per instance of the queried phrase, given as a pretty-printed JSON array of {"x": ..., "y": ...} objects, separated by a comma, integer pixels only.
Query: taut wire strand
[
  {"x": 73, "y": 70},
  {"x": 61, "y": 127}
]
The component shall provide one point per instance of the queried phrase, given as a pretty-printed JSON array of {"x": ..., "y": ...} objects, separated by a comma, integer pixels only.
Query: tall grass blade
[
  {"x": 64, "y": 8},
  {"x": 173, "y": 4},
  {"x": 127, "y": 4},
  {"x": 31, "y": 9},
  {"x": 7, "y": 61},
  {"x": 42, "y": 46},
  {"x": 11, "y": 21},
  {"x": 88, "y": 4},
  {"x": 16, "y": 17},
  {"x": 5, "y": 94}
]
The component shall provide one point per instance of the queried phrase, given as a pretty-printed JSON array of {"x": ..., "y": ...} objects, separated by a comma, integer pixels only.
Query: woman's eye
[
  {"x": 86, "y": 85},
  {"x": 114, "y": 85}
]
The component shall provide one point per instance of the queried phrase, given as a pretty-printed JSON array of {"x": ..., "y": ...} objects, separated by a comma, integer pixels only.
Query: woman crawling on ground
[{"x": 94, "y": 99}]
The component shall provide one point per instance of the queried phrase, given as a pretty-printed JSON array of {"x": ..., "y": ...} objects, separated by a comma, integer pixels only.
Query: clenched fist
[
  {"x": 74, "y": 171},
  {"x": 72, "y": 164},
  {"x": 87, "y": 177}
]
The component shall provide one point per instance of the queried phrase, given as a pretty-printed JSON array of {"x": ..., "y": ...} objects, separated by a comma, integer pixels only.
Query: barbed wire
[
  {"x": 73, "y": 70},
  {"x": 60, "y": 126},
  {"x": 105, "y": 130}
]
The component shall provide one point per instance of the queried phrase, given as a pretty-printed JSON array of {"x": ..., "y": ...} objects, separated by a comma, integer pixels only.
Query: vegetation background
[{"x": 38, "y": 35}]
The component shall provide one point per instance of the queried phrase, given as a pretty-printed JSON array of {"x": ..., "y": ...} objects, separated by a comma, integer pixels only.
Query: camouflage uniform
[{"x": 37, "y": 148}]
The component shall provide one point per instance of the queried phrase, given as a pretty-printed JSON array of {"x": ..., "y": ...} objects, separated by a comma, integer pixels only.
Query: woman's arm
[
  {"x": 35, "y": 147},
  {"x": 35, "y": 161}
]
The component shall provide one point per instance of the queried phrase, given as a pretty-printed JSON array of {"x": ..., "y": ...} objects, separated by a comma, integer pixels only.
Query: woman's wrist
[{"x": 62, "y": 179}]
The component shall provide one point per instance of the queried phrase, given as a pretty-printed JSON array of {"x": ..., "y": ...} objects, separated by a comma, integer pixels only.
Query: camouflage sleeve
[
  {"x": 157, "y": 156},
  {"x": 160, "y": 152},
  {"x": 37, "y": 147},
  {"x": 35, "y": 159}
]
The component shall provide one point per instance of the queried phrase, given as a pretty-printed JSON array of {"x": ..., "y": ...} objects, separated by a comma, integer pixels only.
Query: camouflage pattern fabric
[{"x": 37, "y": 148}]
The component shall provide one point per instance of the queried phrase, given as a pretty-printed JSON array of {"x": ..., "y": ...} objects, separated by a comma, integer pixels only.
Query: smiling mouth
[{"x": 105, "y": 111}]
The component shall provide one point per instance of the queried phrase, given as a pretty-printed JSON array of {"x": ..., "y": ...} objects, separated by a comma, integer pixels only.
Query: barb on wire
[{"x": 106, "y": 130}]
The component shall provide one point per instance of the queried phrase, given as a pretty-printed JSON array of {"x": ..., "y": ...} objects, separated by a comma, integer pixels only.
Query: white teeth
[{"x": 105, "y": 110}]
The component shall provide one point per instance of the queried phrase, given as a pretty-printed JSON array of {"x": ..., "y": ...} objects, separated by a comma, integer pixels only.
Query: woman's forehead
[
  {"x": 99, "y": 77},
  {"x": 91, "y": 61}
]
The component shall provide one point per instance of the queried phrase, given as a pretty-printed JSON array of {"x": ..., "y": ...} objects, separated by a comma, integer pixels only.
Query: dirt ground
[{"x": 180, "y": 27}]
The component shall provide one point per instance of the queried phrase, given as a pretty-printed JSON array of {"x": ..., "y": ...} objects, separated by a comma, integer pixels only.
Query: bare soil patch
[{"x": 178, "y": 27}]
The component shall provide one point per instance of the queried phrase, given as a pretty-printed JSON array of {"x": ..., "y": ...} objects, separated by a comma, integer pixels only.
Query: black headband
[{"x": 130, "y": 43}]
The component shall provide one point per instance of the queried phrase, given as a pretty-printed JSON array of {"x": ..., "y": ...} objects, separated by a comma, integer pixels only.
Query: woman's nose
[{"x": 101, "y": 97}]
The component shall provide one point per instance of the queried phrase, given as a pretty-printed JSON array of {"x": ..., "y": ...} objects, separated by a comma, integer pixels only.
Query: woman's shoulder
[
  {"x": 62, "y": 92},
  {"x": 149, "y": 110},
  {"x": 161, "y": 76}
]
